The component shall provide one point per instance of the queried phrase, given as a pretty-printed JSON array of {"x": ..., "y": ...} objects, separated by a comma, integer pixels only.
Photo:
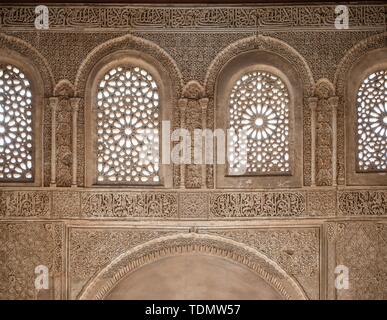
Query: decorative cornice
[
  {"x": 188, "y": 18},
  {"x": 128, "y": 42}
]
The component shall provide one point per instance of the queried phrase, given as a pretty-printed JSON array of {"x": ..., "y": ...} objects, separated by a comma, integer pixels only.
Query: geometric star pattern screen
[
  {"x": 128, "y": 111},
  {"x": 372, "y": 123},
  {"x": 15, "y": 125},
  {"x": 259, "y": 112}
]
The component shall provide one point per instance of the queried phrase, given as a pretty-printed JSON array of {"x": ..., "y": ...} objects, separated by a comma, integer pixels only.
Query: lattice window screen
[
  {"x": 128, "y": 111},
  {"x": 259, "y": 106},
  {"x": 15, "y": 125},
  {"x": 372, "y": 123}
]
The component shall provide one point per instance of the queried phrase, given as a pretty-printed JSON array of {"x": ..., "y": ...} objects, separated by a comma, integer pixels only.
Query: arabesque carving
[
  {"x": 291, "y": 236},
  {"x": 361, "y": 247},
  {"x": 263, "y": 204},
  {"x": 279, "y": 47},
  {"x": 362, "y": 203},
  {"x": 295, "y": 250},
  {"x": 23, "y": 247},
  {"x": 187, "y": 243},
  {"x": 109, "y": 204},
  {"x": 340, "y": 81}
]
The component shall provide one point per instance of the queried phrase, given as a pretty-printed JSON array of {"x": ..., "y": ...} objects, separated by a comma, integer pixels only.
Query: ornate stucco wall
[{"x": 306, "y": 230}]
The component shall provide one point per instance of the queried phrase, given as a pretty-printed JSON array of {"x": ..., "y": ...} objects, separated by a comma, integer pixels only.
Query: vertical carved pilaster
[
  {"x": 53, "y": 104},
  {"x": 182, "y": 106},
  {"x": 204, "y": 104},
  {"x": 325, "y": 140},
  {"x": 313, "y": 106},
  {"x": 334, "y": 101},
  {"x": 74, "y": 103}
]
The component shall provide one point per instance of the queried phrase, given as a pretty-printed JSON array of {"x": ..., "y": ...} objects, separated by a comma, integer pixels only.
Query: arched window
[
  {"x": 128, "y": 95},
  {"x": 372, "y": 123},
  {"x": 127, "y": 125},
  {"x": 259, "y": 106},
  {"x": 259, "y": 99},
  {"x": 365, "y": 101},
  {"x": 16, "y": 138}
]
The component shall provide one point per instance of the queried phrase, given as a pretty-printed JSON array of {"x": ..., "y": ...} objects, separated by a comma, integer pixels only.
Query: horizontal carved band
[
  {"x": 25, "y": 204},
  {"x": 198, "y": 18},
  {"x": 190, "y": 205},
  {"x": 255, "y": 204},
  {"x": 109, "y": 204}
]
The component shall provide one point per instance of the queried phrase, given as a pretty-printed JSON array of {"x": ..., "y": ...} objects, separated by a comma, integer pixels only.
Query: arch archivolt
[
  {"x": 27, "y": 53},
  {"x": 128, "y": 42},
  {"x": 354, "y": 54},
  {"x": 259, "y": 43},
  {"x": 186, "y": 243}
]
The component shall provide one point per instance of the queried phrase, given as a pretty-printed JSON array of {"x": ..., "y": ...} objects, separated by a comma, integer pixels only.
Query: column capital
[
  {"x": 53, "y": 102},
  {"x": 203, "y": 102},
  {"x": 312, "y": 101},
  {"x": 334, "y": 102},
  {"x": 74, "y": 104},
  {"x": 182, "y": 103}
]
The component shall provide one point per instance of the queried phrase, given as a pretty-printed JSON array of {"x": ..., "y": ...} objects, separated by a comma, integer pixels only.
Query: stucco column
[
  {"x": 53, "y": 104},
  {"x": 334, "y": 101},
  {"x": 313, "y": 106},
  {"x": 74, "y": 103},
  {"x": 182, "y": 105},
  {"x": 204, "y": 104}
]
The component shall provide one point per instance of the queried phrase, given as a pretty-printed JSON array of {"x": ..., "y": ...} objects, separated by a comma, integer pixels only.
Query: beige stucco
[{"x": 199, "y": 234}]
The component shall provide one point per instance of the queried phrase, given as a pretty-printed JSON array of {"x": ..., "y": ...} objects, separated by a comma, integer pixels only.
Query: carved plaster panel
[
  {"x": 91, "y": 249},
  {"x": 297, "y": 250},
  {"x": 25, "y": 246},
  {"x": 360, "y": 247}
]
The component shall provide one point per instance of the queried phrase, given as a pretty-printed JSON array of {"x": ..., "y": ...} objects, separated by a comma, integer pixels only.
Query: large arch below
[
  {"x": 217, "y": 253},
  {"x": 193, "y": 276}
]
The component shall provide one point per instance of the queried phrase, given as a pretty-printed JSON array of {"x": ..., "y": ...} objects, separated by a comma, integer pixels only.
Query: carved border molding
[
  {"x": 107, "y": 278},
  {"x": 188, "y": 18},
  {"x": 185, "y": 205}
]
